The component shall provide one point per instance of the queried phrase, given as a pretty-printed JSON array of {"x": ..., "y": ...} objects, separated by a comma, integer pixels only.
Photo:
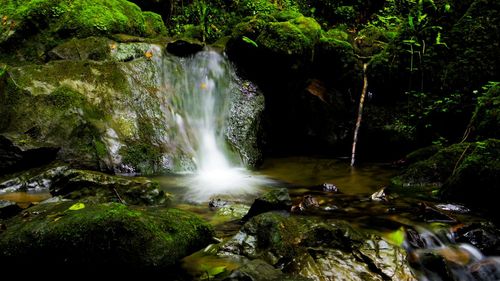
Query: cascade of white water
[{"x": 203, "y": 87}]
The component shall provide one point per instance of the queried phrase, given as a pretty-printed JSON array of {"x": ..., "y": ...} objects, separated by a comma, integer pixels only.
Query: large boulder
[
  {"x": 476, "y": 177},
  {"x": 467, "y": 172},
  {"x": 99, "y": 115},
  {"x": 432, "y": 171},
  {"x": 101, "y": 237},
  {"x": 30, "y": 28}
]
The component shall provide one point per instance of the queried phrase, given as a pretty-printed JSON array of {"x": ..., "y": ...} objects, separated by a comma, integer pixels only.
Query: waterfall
[{"x": 202, "y": 88}]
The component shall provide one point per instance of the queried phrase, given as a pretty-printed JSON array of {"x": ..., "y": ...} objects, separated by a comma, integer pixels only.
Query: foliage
[{"x": 486, "y": 118}]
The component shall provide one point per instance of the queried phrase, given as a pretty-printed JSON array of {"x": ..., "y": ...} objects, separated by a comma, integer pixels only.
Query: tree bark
[{"x": 360, "y": 114}]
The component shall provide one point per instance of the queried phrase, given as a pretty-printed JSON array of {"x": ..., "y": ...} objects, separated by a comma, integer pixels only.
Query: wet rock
[
  {"x": 379, "y": 195},
  {"x": 90, "y": 186},
  {"x": 486, "y": 269},
  {"x": 430, "y": 213},
  {"x": 100, "y": 187},
  {"x": 55, "y": 199},
  {"x": 183, "y": 48},
  {"x": 110, "y": 238},
  {"x": 484, "y": 236},
  {"x": 216, "y": 203},
  {"x": 327, "y": 187},
  {"x": 259, "y": 270},
  {"x": 232, "y": 212},
  {"x": 8, "y": 209},
  {"x": 454, "y": 208},
  {"x": 244, "y": 126},
  {"x": 307, "y": 202},
  {"x": 330, "y": 187},
  {"x": 313, "y": 248},
  {"x": 273, "y": 200}
]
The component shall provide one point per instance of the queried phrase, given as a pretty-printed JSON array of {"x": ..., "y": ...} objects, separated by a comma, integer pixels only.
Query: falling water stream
[{"x": 204, "y": 86}]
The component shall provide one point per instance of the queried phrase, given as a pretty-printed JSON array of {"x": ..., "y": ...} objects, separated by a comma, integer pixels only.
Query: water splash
[{"x": 204, "y": 86}]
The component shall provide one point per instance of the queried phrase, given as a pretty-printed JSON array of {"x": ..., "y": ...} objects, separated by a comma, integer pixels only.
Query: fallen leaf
[
  {"x": 397, "y": 237},
  {"x": 76, "y": 207},
  {"x": 148, "y": 54}
]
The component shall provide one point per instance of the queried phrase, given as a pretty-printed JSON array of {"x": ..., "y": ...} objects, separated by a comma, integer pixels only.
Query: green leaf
[
  {"x": 410, "y": 22},
  {"x": 447, "y": 8},
  {"x": 76, "y": 207},
  {"x": 216, "y": 270},
  {"x": 397, "y": 237},
  {"x": 438, "y": 40},
  {"x": 249, "y": 41}
]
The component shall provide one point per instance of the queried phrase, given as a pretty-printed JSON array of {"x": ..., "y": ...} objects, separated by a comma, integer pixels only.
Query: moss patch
[{"x": 102, "y": 237}]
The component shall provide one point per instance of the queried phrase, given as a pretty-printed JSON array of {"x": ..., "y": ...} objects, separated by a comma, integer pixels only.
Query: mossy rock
[
  {"x": 31, "y": 28},
  {"x": 293, "y": 37},
  {"x": 100, "y": 115},
  {"x": 476, "y": 177},
  {"x": 76, "y": 18},
  {"x": 94, "y": 238},
  {"x": 433, "y": 171}
]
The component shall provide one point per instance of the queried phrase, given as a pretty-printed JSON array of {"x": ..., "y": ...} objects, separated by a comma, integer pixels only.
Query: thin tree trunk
[{"x": 360, "y": 113}]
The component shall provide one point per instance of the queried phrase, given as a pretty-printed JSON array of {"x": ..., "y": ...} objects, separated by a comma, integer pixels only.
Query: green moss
[
  {"x": 154, "y": 23},
  {"x": 101, "y": 149},
  {"x": 433, "y": 171},
  {"x": 291, "y": 37},
  {"x": 102, "y": 236},
  {"x": 32, "y": 28},
  {"x": 476, "y": 177},
  {"x": 145, "y": 157}
]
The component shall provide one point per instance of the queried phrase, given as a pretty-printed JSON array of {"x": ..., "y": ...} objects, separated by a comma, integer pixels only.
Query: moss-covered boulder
[
  {"x": 31, "y": 28},
  {"x": 111, "y": 237},
  {"x": 106, "y": 115},
  {"x": 476, "y": 176},
  {"x": 466, "y": 172},
  {"x": 434, "y": 170},
  {"x": 279, "y": 39}
]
